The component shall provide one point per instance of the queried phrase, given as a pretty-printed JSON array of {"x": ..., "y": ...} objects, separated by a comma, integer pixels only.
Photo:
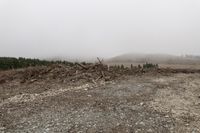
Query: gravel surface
[{"x": 138, "y": 104}]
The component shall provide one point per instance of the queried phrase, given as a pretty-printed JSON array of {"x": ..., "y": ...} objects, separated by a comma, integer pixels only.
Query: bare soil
[{"x": 140, "y": 103}]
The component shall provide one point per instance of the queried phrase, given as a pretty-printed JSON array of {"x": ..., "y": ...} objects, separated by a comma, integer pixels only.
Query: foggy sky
[{"x": 105, "y": 28}]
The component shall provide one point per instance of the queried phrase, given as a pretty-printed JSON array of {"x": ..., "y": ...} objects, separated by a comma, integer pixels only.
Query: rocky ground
[{"x": 139, "y": 103}]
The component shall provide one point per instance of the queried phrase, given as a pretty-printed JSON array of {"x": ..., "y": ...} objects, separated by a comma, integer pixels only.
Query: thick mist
[{"x": 104, "y": 28}]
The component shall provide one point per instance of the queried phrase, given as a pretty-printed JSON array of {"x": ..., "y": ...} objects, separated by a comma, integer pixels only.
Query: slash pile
[
  {"x": 79, "y": 72},
  {"x": 84, "y": 72}
]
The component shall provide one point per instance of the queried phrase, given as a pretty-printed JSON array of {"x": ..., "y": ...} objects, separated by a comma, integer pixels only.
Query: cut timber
[{"x": 81, "y": 65}]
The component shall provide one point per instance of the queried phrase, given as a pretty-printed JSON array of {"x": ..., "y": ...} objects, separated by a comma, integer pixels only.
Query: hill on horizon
[{"x": 155, "y": 58}]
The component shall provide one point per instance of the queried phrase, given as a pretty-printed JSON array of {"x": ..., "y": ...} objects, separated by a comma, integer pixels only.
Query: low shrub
[{"x": 149, "y": 65}]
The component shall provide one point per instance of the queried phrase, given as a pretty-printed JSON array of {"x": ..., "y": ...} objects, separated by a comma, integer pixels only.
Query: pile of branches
[{"x": 82, "y": 72}]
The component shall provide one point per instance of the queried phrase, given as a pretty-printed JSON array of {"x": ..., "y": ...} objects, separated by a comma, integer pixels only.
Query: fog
[{"x": 104, "y": 28}]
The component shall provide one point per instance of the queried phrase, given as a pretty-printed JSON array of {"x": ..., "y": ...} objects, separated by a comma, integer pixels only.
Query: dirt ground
[{"x": 148, "y": 103}]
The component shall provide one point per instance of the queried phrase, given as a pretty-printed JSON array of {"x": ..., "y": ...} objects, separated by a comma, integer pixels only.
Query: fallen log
[{"x": 84, "y": 67}]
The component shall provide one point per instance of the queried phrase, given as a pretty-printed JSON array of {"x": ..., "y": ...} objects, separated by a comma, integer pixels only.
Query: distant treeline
[{"x": 13, "y": 63}]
